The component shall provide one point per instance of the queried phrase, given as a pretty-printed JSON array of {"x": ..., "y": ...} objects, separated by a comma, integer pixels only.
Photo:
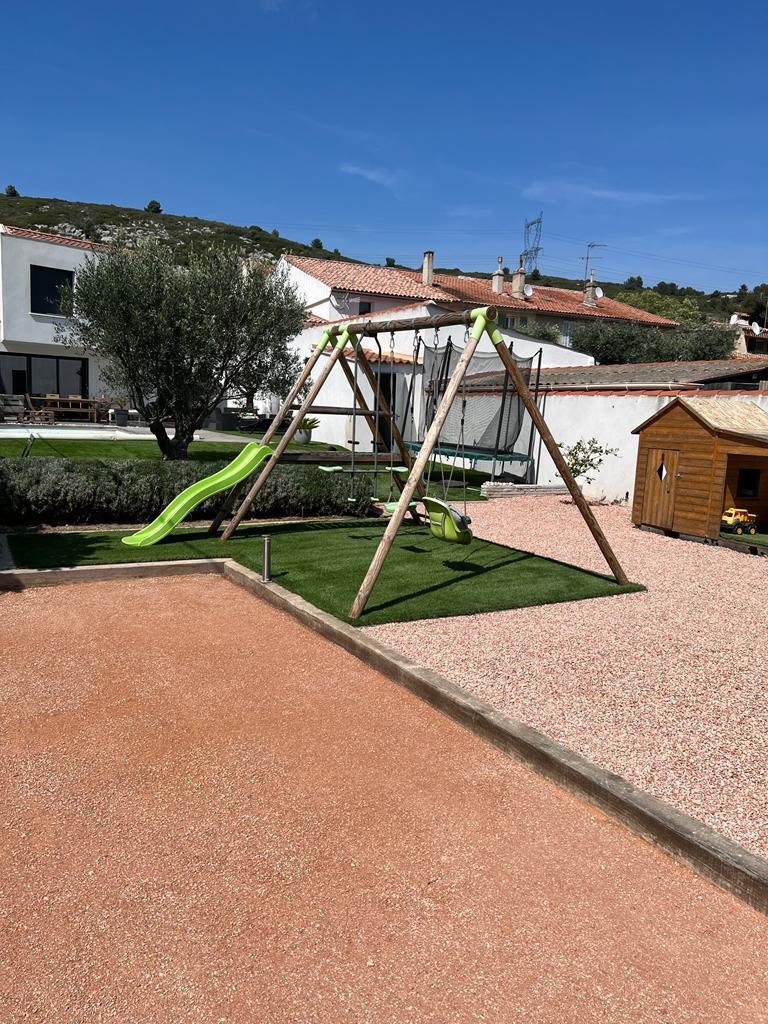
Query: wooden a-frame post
[
  {"x": 557, "y": 456},
  {"x": 419, "y": 465},
  {"x": 483, "y": 319},
  {"x": 279, "y": 416},
  {"x": 293, "y": 426}
]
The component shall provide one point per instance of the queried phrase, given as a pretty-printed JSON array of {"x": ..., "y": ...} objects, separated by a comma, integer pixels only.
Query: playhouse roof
[{"x": 729, "y": 416}]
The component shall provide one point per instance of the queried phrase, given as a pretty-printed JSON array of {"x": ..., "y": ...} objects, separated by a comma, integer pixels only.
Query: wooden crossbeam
[{"x": 483, "y": 320}]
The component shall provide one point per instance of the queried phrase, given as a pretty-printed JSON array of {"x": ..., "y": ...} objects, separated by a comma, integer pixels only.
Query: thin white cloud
[
  {"x": 556, "y": 189},
  {"x": 377, "y": 175}
]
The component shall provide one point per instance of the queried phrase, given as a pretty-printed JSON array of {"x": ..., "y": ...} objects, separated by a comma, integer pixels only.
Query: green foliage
[
  {"x": 71, "y": 491},
  {"x": 100, "y": 222},
  {"x": 390, "y": 261},
  {"x": 178, "y": 339},
  {"x": 535, "y": 274},
  {"x": 317, "y": 243},
  {"x": 540, "y": 330},
  {"x": 11, "y": 191},
  {"x": 628, "y": 342},
  {"x": 634, "y": 284},
  {"x": 684, "y": 310},
  {"x": 309, "y": 423},
  {"x": 586, "y": 457}
]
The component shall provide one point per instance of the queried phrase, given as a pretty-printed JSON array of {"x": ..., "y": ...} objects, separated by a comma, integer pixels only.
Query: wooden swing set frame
[{"x": 480, "y": 321}]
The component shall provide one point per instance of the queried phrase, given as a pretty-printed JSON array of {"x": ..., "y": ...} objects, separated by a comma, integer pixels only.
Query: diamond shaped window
[{"x": 661, "y": 472}]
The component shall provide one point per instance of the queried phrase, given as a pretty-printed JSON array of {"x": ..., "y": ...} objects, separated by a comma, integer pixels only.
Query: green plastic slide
[{"x": 249, "y": 459}]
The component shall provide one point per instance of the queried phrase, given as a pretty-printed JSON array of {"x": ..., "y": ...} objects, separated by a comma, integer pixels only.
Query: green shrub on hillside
[{"x": 79, "y": 491}]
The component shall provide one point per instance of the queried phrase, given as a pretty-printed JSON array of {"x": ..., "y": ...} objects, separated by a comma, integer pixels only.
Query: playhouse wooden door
[{"x": 660, "y": 487}]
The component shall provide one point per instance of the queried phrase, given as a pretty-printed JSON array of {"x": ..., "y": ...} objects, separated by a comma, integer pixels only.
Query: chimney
[
  {"x": 590, "y": 291},
  {"x": 497, "y": 279},
  {"x": 518, "y": 281},
  {"x": 428, "y": 267}
]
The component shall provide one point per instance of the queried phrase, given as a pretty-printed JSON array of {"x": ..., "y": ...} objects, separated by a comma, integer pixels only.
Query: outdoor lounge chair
[{"x": 35, "y": 415}]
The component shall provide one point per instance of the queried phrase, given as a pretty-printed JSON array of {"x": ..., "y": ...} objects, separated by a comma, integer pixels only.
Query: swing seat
[
  {"x": 391, "y": 506},
  {"x": 446, "y": 522}
]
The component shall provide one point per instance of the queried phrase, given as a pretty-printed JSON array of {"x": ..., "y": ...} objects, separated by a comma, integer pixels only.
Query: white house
[
  {"x": 336, "y": 291},
  {"x": 33, "y": 266}
]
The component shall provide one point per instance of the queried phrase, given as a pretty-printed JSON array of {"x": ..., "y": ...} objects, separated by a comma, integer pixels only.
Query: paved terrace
[
  {"x": 211, "y": 814},
  {"x": 665, "y": 688}
]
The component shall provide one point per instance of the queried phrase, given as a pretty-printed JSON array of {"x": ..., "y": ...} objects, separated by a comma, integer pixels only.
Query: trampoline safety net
[{"x": 493, "y": 412}]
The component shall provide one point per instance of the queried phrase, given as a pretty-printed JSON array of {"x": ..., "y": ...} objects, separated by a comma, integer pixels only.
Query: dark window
[
  {"x": 748, "y": 485},
  {"x": 364, "y": 307},
  {"x": 43, "y": 375},
  {"x": 45, "y": 283},
  {"x": 44, "y": 378},
  {"x": 13, "y": 375}
]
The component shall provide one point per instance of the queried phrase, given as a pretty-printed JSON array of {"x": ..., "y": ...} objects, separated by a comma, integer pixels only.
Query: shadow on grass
[{"x": 475, "y": 570}]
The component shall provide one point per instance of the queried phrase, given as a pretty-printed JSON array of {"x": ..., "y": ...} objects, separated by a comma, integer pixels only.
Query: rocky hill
[{"x": 103, "y": 223}]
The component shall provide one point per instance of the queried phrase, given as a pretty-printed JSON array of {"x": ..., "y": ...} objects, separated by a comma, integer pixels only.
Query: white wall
[
  {"x": 16, "y": 256},
  {"x": 26, "y": 333},
  {"x": 610, "y": 419},
  {"x": 316, "y": 295}
]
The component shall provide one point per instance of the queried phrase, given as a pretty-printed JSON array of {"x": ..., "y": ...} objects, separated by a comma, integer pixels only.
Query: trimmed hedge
[{"x": 69, "y": 492}]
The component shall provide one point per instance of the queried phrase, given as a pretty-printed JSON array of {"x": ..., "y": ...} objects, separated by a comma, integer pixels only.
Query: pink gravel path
[
  {"x": 666, "y": 688},
  {"x": 209, "y": 814}
]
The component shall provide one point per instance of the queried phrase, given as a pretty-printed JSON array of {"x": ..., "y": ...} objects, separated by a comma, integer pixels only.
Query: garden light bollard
[{"x": 266, "y": 571}]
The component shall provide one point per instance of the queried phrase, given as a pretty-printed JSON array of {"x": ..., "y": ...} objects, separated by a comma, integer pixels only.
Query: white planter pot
[{"x": 302, "y": 436}]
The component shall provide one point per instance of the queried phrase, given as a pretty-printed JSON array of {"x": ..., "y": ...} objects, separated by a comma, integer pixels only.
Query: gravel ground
[
  {"x": 665, "y": 688},
  {"x": 210, "y": 813}
]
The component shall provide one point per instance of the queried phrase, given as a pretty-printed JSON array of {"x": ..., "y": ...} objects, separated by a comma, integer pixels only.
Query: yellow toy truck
[{"x": 738, "y": 520}]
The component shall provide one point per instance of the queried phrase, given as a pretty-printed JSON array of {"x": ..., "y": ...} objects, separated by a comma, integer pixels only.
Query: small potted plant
[
  {"x": 120, "y": 410},
  {"x": 304, "y": 433},
  {"x": 102, "y": 409}
]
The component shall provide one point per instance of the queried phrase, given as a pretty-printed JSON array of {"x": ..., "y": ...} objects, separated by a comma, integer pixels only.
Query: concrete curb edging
[
  {"x": 721, "y": 860},
  {"x": 22, "y": 579}
]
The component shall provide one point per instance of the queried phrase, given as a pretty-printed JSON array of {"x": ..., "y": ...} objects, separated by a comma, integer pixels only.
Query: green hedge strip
[{"x": 70, "y": 492}]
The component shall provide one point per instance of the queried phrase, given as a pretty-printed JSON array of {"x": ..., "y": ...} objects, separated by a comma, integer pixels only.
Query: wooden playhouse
[{"x": 696, "y": 457}]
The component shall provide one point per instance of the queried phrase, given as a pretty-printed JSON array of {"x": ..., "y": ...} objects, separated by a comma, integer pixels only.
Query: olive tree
[{"x": 179, "y": 339}]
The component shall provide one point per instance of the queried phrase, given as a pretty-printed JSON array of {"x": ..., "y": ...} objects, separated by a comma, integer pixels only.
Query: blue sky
[{"x": 389, "y": 128}]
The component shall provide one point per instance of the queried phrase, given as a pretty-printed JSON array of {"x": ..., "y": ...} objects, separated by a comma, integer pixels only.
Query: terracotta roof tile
[
  {"x": 463, "y": 290},
  {"x": 43, "y": 236},
  {"x": 400, "y": 358},
  {"x": 362, "y": 277}
]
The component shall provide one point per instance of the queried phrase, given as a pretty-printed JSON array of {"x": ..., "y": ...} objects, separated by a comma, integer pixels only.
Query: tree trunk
[{"x": 174, "y": 449}]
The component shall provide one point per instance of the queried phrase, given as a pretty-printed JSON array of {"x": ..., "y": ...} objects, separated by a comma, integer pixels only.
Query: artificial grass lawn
[
  {"x": 52, "y": 447},
  {"x": 325, "y": 562}
]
